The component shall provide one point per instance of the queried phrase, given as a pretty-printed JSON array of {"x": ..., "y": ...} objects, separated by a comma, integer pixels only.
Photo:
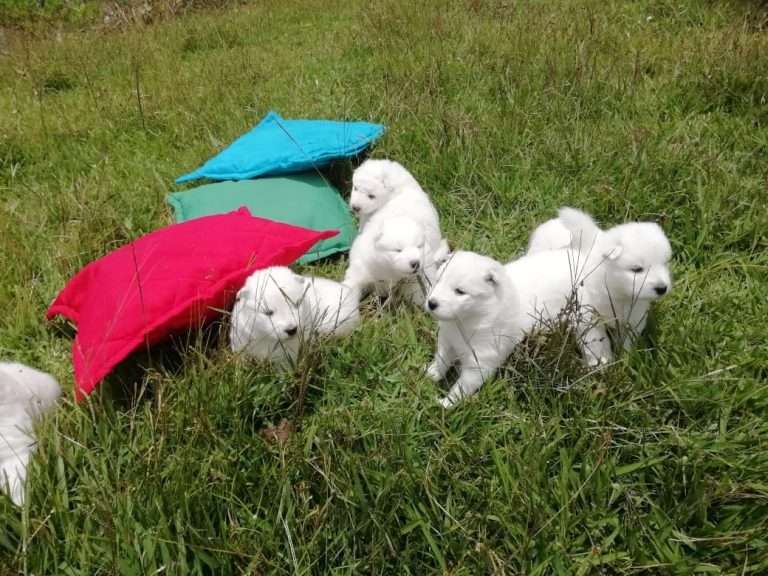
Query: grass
[{"x": 504, "y": 110}]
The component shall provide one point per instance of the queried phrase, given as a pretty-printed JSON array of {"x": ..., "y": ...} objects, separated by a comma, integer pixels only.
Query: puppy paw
[
  {"x": 597, "y": 361},
  {"x": 433, "y": 372},
  {"x": 446, "y": 403}
]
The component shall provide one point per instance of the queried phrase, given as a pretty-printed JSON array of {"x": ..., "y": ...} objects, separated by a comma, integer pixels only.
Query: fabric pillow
[
  {"x": 277, "y": 146},
  {"x": 169, "y": 280},
  {"x": 303, "y": 200}
]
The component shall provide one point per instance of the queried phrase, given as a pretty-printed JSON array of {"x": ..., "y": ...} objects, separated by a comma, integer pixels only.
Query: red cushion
[{"x": 169, "y": 280}]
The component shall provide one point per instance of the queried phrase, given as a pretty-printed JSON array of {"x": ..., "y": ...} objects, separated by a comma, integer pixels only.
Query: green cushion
[{"x": 301, "y": 199}]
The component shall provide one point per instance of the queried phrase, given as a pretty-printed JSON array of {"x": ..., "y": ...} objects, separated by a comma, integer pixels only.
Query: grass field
[{"x": 653, "y": 109}]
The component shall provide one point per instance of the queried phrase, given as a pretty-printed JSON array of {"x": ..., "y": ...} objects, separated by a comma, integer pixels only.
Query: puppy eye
[
  {"x": 637, "y": 269},
  {"x": 460, "y": 292},
  {"x": 372, "y": 196},
  {"x": 268, "y": 312}
]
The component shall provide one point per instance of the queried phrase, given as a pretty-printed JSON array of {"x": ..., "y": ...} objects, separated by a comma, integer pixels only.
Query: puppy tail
[
  {"x": 584, "y": 231},
  {"x": 552, "y": 235}
]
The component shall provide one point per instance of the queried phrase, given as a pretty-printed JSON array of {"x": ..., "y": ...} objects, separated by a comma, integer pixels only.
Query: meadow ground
[{"x": 653, "y": 109}]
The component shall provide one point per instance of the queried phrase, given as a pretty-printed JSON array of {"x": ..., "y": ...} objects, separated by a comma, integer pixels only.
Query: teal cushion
[
  {"x": 279, "y": 146},
  {"x": 306, "y": 200}
]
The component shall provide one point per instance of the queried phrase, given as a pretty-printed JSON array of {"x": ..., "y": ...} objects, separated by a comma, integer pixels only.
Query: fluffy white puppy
[
  {"x": 393, "y": 253},
  {"x": 474, "y": 303},
  {"x": 383, "y": 190},
  {"x": 484, "y": 309},
  {"x": 620, "y": 272},
  {"x": 377, "y": 184},
  {"x": 276, "y": 310},
  {"x": 25, "y": 393}
]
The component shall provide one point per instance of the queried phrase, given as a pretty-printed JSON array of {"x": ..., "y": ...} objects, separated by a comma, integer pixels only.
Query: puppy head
[
  {"x": 374, "y": 183},
  {"x": 23, "y": 388},
  {"x": 637, "y": 261},
  {"x": 467, "y": 285},
  {"x": 273, "y": 297},
  {"x": 400, "y": 244}
]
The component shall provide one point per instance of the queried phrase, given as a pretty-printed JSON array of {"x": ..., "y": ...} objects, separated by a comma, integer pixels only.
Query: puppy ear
[
  {"x": 613, "y": 252},
  {"x": 243, "y": 294},
  {"x": 494, "y": 274},
  {"x": 443, "y": 253},
  {"x": 610, "y": 245},
  {"x": 389, "y": 177},
  {"x": 386, "y": 182},
  {"x": 492, "y": 277},
  {"x": 442, "y": 259},
  {"x": 304, "y": 283}
]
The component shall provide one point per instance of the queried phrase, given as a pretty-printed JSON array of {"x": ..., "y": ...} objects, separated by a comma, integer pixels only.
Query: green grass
[
  {"x": 30, "y": 13},
  {"x": 651, "y": 109}
]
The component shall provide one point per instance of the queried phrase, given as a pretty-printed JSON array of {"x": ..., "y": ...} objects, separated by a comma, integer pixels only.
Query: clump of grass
[{"x": 57, "y": 82}]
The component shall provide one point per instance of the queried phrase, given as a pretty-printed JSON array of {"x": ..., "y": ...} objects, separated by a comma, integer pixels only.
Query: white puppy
[
  {"x": 620, "y": 272},
  {"x": 391, "y": 253},
  {"x": 384, "y": 191},
  {"x": 474, "y": 303},
  {"x": 484, "y": 309},
  {"x": 25, "y": 393},
  {"x": 277, "y": 310},
  {"x": 377, "y": 184}
]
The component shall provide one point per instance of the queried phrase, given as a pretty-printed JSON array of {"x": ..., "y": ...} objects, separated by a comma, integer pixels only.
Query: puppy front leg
[
  {"x": 383, "y": 289},
  {"x": 242, "y": 320},
  {"x": 629, "y": 340},
  {"x": 285, "y": 355},
  {"x": 635, "y": 326},
  {"x": 444, "y": 358},
  {"x": 358, "y": 279},
  {"x": 13, "y": 473},
  {"x": 470, "y": 380},
  {"x": 413, "y": 291},
  {"x": 595, "y": 346}
]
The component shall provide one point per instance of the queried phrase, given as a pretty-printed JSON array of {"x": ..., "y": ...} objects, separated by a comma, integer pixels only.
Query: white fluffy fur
[
  {"x": 380, "y": 184},
  {"x": 395, "y": 214},
  {"x": 484, "y": 309},
  {"x": 393, "y": 252},
  {"x": 620, "y": 272},
  {"x": 25, "y": 393},
  {"x": 552, "y": 235},
  {"x": 277, "y": 310},
  {"x": 474, "y": 303}
]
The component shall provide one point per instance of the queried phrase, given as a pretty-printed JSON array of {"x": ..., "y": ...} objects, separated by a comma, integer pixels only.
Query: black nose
[
  {"x": 660, "y": 290},
  {"x": 355, "y": 208},
  {"x": 432, "y": 303},
  {"x": 415, "y": 264},
  {"x": 291, "y": 331}
]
